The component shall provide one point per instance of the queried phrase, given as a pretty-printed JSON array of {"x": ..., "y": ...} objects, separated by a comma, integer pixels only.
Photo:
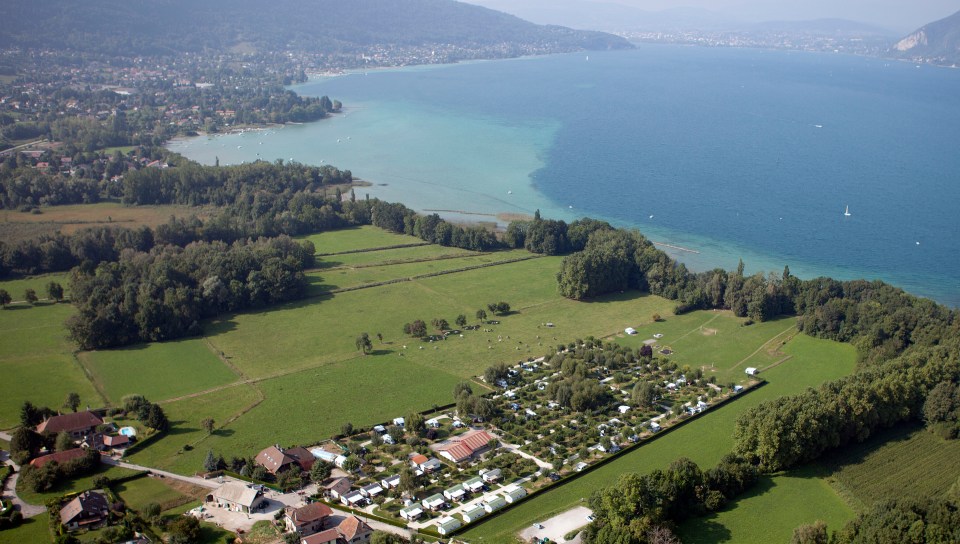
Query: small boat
[{"x": 846, "y": 212}]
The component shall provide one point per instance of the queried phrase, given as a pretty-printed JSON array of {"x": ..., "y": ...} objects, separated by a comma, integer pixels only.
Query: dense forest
[{"x": 323, "y": 26}]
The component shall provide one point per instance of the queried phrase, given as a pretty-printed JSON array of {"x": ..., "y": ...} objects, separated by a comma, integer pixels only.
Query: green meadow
[
  {"x": 159, "y": 371},
  {"x": 18, "y": 287},
  {"x": 35, "y": 530},
  {"x": 770, "y": 511},
  {"x": 354, "y": 238},
  {"x": 36, "y": 360},
  {"x": 393, "y": 256}
]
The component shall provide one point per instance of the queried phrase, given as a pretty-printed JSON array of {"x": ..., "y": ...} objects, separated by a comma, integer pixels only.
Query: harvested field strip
[{"x": 369, "y": 249}]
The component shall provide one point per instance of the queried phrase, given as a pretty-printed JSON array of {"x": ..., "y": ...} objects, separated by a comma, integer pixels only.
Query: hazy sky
[
  {"x": 895, "y": 14},
  {"x": 899, "y": 15}
]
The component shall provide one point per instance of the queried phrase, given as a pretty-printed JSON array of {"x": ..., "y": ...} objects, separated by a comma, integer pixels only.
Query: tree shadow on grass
[
  {"x": 178, "y": 427},
  {"x": 381, "y": 352}
]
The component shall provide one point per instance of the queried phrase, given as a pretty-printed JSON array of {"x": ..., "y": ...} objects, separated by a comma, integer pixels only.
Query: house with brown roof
[
  {"x": 338, "y": 487},
  {"x": 308, "y": 519},
  {"x": 276, "y": 459},
  {"x": 464, "y": 447},
  {"x": 349, "y": 530},
  {"x": 87, "y": 510},
  {"x": 60, "y": 457},
  {"x": 78, "y": 425}
]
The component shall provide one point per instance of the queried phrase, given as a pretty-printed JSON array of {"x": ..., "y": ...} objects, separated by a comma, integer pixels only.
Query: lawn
[
  {"x": 903, "y": 461},
  {"x": 36, "y": 361},
  {"x": 35, "y": 530},
  {"x": 73, "y": 486},
  {"x": 364, "y": 237},
  {"x": 704, "y": 440},
  {"x": 158, "y": 370},
  {"x": 717, "y": 341},
  {"x": 138, "y": 493},
  {"x": 770, "y": 511}
]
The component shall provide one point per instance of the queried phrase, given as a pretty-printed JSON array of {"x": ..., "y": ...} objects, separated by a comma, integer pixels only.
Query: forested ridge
[{"x": 323, "y": 26}]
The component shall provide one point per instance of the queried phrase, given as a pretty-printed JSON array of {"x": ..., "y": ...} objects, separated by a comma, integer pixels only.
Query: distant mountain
[
  {"x": 609, "y": 16},
  {"x": 823, "y": 27},
  {"x": 937, "y": 42},
  {"x": 173, "y": 26}
]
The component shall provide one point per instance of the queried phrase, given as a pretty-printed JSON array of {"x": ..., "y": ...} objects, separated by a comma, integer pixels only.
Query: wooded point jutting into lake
[{"x": 311, "y": 273}]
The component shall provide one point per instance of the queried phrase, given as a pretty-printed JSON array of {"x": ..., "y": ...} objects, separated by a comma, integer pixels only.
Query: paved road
[{"x": 10, "y": 487}]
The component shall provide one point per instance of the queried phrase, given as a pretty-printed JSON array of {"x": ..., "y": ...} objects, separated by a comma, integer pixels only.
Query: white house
[
  {"x": 471, "y": 515},
  {"x": 446, "y": 526},
  {"x": 411, "y": 513},
  {"x": 623, "y": 408},
  {"x": 371, "y": 490},
  {"x": 493, "y": 503},
  {"x": 390, "y": 481},
  {"x": 455, "y": 493},
  {"x": 514, "y": 493},
  {"x": 434, "y": 502},
  {"x": 474, "y": 485},
  {"x": 353, "y": 498},
  {"x": 491, "y": 476}
]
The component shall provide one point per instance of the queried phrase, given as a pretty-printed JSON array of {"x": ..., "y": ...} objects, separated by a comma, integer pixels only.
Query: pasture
[
  {"x": 140, "y": 492},
  {"x": 17, "y": 287},
  {"x": 392, "y": 256},
  {"x": 906, "y": 460},
  {"x": 354, "y": 238},
  {"x": 704, "y": 440},
  {"x": 36, "y": 360},
  {"x": 770, "y": 511},
  {"x": 16, "y": 225},
  {"x": 159, "y": 371}
]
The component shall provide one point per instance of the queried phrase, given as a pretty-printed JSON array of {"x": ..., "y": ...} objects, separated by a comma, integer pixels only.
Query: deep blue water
[{"x": 734, "y": 152}]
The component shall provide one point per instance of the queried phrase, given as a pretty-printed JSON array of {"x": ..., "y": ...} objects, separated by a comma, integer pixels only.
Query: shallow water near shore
[{"x": 729, "y": 152}]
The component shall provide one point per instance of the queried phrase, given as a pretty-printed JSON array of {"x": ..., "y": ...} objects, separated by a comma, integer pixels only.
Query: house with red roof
[
  {"x": 308, "y": 519},
  {"x": 60, "y": 457}
]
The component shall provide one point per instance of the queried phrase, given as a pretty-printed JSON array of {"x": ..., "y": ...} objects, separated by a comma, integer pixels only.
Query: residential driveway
[
  {"x": 559, "y": 525},
  {"x": 10, "y": 492},
  {"x": 238, "y": 521}
]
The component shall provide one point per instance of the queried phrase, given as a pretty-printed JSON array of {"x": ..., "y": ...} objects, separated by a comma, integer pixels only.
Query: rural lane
[{"x": 10, "y": 486}]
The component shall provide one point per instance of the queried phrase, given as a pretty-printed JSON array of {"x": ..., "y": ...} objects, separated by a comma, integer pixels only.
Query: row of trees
[{"x": 164, "y": 293}]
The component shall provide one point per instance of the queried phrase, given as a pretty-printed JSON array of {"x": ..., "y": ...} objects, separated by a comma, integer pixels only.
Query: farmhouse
[
  {"x": 78, "y": 425},
  {"x": 462, "y": 448},
  {"x": 237, "y": 497},
  {"x": 446, "y": 526},
  {"x": 275, "y": 459},
  {"x": 351, "y": 530},
  {"x": 88, "y": 509},
  {"x": 308, "y": 519}
]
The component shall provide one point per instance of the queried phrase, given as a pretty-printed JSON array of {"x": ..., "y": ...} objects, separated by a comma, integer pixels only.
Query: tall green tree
[
  {"x": 363, "y": 343},
  {"x": 5, "y": 298},
  {"x": 72, "y": 402}
]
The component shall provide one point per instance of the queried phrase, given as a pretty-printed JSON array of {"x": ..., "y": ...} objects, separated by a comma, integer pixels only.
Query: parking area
[
  {"x": 556, "y": 527},
  {"x": 236, "y": 521}
]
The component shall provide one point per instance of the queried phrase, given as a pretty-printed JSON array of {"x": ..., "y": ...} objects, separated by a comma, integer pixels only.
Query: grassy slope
[
  {"x": 354, "y": 238},
  {"x": 36, "y": 361},
  {"x": 137, "y": 494},
  {"x": 35, "y": 530},
  {"x": 158, "y": 371},
  {"x": 399, "y": 255},
  {"x": 704, "y": 440},
  {"x": 17, "y": 287}
]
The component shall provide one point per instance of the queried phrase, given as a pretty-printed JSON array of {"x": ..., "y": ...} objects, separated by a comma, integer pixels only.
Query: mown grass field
[
  {"x": 704, "y": 440},
  {"x": 770, "y": 511},
  {"x": 159, "y": 371},
  {"x": 353, "y": 238},
  {"x": 138, "y": 493},
  {"x": 36, "y": 361},
  {"x": 392, "y": 256},
  {"x": 717, "y": 342},
  {"x": 35, "y": 530},
  {"x": 18, "y": 287},
  {"x": 906, "y": 460}
]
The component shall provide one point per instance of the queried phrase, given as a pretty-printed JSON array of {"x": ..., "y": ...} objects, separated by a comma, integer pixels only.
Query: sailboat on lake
[{"x": 846, "y": 212}]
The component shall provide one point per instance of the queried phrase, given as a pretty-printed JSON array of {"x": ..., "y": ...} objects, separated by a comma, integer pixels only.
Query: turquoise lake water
[{"x": 730, "y": 152}]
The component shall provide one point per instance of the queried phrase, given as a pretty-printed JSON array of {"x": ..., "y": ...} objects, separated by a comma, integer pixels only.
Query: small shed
[{"x": 751, "y": 371}]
